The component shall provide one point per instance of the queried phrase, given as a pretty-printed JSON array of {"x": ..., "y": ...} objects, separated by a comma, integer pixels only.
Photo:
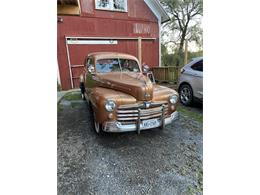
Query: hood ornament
[{"x": 147, "y": 104}]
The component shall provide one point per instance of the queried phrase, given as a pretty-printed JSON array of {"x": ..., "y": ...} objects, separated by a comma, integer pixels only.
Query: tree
[{"x": 184, "y": 23}]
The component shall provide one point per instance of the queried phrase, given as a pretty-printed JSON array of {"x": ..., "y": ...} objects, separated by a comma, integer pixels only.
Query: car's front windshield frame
[{"x": 116, "y": 64}]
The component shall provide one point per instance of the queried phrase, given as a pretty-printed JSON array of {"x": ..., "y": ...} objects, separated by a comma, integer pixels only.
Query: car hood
[{"x": 134, "y": 84}]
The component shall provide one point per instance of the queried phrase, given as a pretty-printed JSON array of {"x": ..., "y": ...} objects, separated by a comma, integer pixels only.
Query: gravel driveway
[{"x": 155, "y": 162}]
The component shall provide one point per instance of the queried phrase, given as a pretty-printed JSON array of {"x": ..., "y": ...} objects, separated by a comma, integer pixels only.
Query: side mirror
[
  {"x": 145, "y": 68},
  {"x": 91, "y": 69}
]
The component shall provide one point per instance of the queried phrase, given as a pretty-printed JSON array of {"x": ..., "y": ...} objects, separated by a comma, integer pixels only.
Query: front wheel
[
  {"x": 186, "y": 95},
  {"x": 97, "y": 125}
]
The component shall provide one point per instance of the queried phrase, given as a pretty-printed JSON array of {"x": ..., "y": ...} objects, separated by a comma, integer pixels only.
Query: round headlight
[
  {"x": 173, "y": 99},
  {"x": 110, "y": 105}
]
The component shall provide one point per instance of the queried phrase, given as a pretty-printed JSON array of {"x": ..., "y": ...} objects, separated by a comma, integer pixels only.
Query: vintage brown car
[{"x": 121, "y": 95}]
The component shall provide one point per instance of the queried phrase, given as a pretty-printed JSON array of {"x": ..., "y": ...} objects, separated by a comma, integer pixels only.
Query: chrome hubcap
[{"x": 185, "y": 95}]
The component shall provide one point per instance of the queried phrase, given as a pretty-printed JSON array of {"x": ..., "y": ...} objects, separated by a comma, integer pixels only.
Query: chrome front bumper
[{"x": 116, "y": 126}]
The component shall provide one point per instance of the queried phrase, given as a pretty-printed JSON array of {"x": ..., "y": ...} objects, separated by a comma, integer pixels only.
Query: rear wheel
[
  {"x": 82, "y": 90},
  {"x": 186, "y": 95}
]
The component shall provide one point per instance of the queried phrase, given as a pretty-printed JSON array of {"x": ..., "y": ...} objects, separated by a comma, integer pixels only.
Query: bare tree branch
[{"x": 184, "y": 23}]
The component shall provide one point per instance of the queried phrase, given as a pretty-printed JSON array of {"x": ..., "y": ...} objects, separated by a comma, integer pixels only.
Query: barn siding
[{"x": 138, "y": 21}]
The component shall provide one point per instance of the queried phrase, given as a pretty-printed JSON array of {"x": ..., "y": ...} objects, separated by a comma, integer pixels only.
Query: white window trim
[{"x": 111, "y": 7}]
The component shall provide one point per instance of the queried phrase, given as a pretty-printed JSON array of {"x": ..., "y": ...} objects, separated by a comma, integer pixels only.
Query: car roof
[
  {"x": 102, "y": 55},
  {"x": 197, "y": 58},
  {"x": 193, "y": 61}
]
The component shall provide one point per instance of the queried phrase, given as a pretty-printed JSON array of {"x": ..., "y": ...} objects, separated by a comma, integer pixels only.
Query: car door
[{"x": 197, "y": 79}]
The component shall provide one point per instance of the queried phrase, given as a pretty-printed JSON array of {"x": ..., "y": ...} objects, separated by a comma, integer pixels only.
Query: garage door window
[{"x": 112, "y": 5}]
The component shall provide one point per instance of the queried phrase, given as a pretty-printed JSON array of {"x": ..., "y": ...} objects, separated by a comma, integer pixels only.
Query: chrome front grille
[{"x": 132, "y": 113}]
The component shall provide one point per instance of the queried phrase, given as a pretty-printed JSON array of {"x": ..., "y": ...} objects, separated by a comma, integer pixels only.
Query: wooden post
[
  {"x": 186, "y": 52},
  {"x": 140, "y": 49},
  {"x": 176, "y": 75},
  {"x": 58, "y": 74}
]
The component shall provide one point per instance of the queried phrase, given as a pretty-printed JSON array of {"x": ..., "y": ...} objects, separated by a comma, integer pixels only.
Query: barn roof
[{"x": 158, "y": 10}]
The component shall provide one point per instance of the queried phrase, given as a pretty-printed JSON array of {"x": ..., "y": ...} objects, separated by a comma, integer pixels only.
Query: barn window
[
  {"x": 112, "y": 5},
  {"x": 68, "y": 7}
]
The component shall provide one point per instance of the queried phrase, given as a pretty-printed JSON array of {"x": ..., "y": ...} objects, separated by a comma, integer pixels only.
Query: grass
[
  {"x": 196, "y": 116},
  {"x": 72, "y": 96},
  {"x": 198, "y": 189},
  {"x": 75, "y": 104},
  {"x": 191, "y": 191},
  {"x": 59, "y": 108},
  {"x": 200, "y": 179}
]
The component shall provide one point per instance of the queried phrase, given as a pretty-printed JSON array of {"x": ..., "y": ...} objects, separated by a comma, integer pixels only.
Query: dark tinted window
[{"x": 198, "y": 66}]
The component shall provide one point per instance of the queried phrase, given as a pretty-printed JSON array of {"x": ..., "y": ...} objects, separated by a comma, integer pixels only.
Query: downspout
[{"x": 160, "y": 40}]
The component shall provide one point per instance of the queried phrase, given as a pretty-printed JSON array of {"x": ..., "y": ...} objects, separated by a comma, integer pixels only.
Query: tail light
[{"x": 182, "y": 70}]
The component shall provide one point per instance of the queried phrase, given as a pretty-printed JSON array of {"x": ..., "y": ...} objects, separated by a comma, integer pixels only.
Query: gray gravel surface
[{"x": 157, "y": 161}]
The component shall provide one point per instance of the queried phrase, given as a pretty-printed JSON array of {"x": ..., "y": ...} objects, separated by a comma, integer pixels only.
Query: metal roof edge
[{"x": 155, "y": 4}]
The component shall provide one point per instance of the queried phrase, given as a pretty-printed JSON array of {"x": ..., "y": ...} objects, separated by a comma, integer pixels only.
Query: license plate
[{"x": 152, "y": 123}]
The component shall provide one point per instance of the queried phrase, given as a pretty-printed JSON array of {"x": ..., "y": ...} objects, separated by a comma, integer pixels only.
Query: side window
[
  {"x": 90, "y": 62},
  {"x": 198, "y": 66},
  {"x": 112, "y": 5},
  {"x": 129, "y": 65}
]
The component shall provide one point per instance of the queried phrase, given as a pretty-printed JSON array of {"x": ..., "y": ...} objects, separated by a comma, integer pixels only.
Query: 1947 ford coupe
[{"x": 122, "y": 96}]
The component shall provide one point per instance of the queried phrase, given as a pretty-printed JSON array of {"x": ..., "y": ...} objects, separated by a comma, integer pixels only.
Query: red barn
[{"x": 127, "y": 26}]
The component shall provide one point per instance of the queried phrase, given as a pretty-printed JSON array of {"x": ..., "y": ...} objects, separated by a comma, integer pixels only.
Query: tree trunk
[
  {"x": 180, "y": 50},
  {"x": 186, "y": 52}
]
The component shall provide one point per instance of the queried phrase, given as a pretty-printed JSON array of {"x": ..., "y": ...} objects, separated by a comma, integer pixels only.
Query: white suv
[{"x": 191, "y": 82}]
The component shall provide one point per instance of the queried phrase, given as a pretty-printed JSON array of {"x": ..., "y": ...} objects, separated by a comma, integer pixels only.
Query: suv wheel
[{"x": 186, "y": 95}]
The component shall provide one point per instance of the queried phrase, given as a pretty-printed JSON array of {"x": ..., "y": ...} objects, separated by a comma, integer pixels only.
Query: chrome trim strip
[
  {"x": 116, "y": 126},
  {"x": 147, "y": 113},
  {"x": 141, "y": 117},
  {"x": 138, "y": 105},
  {"x": 126, "y": 111},
  {"x": 147, "y": 110},
  {"x": 127, "y": 115},
  {"x": 138, "y": 121}
]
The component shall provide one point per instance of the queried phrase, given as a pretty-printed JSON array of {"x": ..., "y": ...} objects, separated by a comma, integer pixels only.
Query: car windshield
[{"x": 116, "y": 65}]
